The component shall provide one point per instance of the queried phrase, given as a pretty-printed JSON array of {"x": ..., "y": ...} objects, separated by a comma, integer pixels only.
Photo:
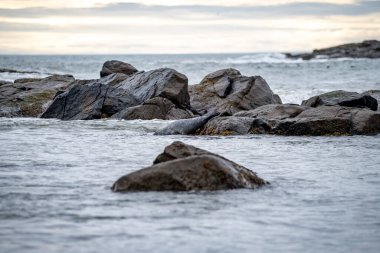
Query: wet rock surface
[
  {"x": 343, "y": 98},
  {"x": 183, "y": 167},
  {"x": 296, "y": 120},
  {"x": 365, "y": 49},
  {"x": 30, "y": 97},
  {"x": 109, "y": 95},
  {"x": 227, "y": 91}
]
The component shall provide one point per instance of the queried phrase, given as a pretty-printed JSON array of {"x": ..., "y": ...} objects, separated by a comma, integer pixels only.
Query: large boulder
[
  {"x": 296, "y": 120},
  {"x": 114, "y": 93},
  {"x": 30, "y": 97},
  {"x": 227, "y": 92},
  {"x": 183, "y": 167},
  {"x": 111, "y": 67},
  {"x": 343, "y": 98}
]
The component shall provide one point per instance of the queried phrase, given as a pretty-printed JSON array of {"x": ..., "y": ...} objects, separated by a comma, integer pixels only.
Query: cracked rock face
[
  {"x": 110, "y": 95},
  {"x": 226, "y": 91},
  {"x": 183, "y": 167}
]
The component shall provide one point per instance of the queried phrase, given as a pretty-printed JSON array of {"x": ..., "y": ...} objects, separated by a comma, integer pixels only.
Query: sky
[{"x": 183, "y": 26}]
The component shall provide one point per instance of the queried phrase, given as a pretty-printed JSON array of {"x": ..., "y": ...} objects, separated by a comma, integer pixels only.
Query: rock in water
[
  {"x": 375, "y": 94},
  {"x": 296, "y": 120},
  {"x": 343, "y": 98},
  {"x": 111, "y": 67},
  {"x": 227, "y": 91},
  {"x": 30, "y": 97},
  {"x": 186, "y": 126},
  {"x": 114, "y": 93},
  {"x": 183, "y": 167}
]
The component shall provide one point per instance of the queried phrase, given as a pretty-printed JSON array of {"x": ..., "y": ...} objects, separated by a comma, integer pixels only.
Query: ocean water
[{"x": 55, "y": 176}]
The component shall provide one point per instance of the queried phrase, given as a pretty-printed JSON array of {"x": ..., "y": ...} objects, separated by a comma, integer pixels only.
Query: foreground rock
[
  {"x": 114, "y": 93},
  {"x": 183, "y": 167},
  {"x": 365, "y": 49},
  {"x": 30, "y": 97},
  {"x": 112, "y": 67},
  {"x": 296, "y": 120},
  {"x": 226, "y": 91},
  {"x": 343, "y": 98}
]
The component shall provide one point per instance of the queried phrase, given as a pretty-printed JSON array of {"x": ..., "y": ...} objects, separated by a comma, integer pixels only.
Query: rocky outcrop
[
  {"x": 112, "y": 67},
  {"x": 183, "y": 167},
  {"x": 111, "y": 94},
  {"x": 296, "y": 120},
  {"x": 343, "y": 98},
  {"x": 226, "y": 91},
  {"x": 365, "y": 49},
  {"x": 155, "y": 108},
  {"x": 30, "y": 97}
]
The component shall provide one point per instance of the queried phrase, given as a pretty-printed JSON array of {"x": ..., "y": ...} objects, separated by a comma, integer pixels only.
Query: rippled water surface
[{"x": 55, "y": 196}]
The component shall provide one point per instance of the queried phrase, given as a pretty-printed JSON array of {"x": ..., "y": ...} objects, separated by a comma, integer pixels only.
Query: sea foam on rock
[{"x": 182, "y": 167}]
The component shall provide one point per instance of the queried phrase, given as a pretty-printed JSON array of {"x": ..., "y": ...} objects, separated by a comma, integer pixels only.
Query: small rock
[{"x": 111, "y": 67}]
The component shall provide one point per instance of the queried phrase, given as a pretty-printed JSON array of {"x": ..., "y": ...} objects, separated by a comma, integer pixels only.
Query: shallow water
[{"x": 55, "y": 196}]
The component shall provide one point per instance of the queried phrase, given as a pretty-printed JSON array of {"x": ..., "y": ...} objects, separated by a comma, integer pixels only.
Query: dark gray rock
[
  {"x": 186, "y": 126},
  {"x": 112, "y": 67},
  {"x": 183, "y": 167},
  {"x": 111, "y": 94},
  {"x": 375, "y": 94},
  {"x": 227, "y": 91},
  {"x": 30, "y": 97},
  {"x": 296, "y": 120},
  {"x": 343, "y": 98},
  {"x": 155, "y": 108},
  {"x": 365, "y": 49}
]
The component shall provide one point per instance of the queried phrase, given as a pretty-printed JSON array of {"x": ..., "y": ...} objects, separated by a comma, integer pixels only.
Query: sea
[{"x": 55, "y": 176}]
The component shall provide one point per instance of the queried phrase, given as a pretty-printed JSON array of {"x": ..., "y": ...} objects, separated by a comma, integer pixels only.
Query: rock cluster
[
  {"x": 365, "y": 49},
  {"x": 225, "y": 102},
  {"x": 183, "y": 167}
]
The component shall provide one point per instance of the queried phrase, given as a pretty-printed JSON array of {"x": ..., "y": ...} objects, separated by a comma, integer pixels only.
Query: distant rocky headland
[
  {"x": 225, "y": 102},
  {"x": 365, "y": 49}
]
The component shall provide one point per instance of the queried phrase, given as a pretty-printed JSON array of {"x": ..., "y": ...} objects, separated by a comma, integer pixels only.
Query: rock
[
  {"x": 375, "y": 94},
  {"x": 29, "y": 98},
  {"x": 111, "y": 67},
  {"x": 184, "y": 167},
  {"x": 155, "y": 108},
  {"x": 27, "y": 80},
  {"x": 365, "y": 49},
  {"x": 296, "y": 120},
  {"x": 186, "y": 126},
  {"x": 227, "y": 91},
  {"x": 112, "y": 94},
  {"x": 343, "y": 98}
]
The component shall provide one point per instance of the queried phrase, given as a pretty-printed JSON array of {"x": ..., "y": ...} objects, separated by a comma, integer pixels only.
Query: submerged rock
[
  {"x": 296, "y": 120},
  {"x": 183, "y": 167},
  {"x": 111, "y": 94},
  {"x": 365, "y": 49},
  {"x": 226, "y": 91},
  {"x": 30, "y": 97},
  {"x": 343, "y": 98},
  {"x": 112, "y": 67}
]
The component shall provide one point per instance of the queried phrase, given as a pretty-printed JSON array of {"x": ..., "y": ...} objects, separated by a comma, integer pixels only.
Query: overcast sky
[{"x": 182, "y": 26}]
